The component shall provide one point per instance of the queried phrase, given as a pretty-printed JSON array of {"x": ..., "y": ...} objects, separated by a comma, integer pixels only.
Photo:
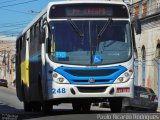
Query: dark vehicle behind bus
[
  {"x": 3, "y": 83},
  {"x": 144, "y": 99}
]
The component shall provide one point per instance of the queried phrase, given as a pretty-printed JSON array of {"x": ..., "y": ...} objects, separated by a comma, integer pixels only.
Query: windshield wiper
[
  {"x": 75, "y": 27},
  {"x": 104, "y": 28}
]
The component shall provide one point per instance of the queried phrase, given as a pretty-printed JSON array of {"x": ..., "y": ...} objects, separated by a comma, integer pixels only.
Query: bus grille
[
  {"x": 89, "y": 76},
  {"x": 85, "y": 73},
  {"x": 91, "y": 89},
  {"x": 95, "y": 81}
]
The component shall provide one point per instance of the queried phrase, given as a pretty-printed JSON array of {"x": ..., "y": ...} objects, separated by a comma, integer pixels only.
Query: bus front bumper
[{"x": 56, "y": 90}]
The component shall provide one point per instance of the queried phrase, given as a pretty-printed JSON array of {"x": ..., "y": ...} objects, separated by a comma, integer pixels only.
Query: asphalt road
[{"x": 12, "y": 109}]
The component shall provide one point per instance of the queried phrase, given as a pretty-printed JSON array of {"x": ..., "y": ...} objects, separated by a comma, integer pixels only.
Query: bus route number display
[
  {"x": 95, "y": 11},
  {"x": 88, "y": 10}
]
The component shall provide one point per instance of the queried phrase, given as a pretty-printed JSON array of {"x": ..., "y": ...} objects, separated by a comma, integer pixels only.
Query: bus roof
[
  {"x": 44, "y": 11},
  {"x": 87, "y": 1}
]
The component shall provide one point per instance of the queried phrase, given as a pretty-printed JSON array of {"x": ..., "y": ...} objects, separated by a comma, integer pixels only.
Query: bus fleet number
[{"x": 59, "y": 91}]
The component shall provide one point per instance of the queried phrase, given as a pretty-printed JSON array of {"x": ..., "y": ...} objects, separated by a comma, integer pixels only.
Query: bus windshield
[{"x": 90, "y": 42}]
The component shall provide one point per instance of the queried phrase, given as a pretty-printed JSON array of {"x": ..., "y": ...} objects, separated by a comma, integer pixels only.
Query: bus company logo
[{"x": 92, "y": 81}]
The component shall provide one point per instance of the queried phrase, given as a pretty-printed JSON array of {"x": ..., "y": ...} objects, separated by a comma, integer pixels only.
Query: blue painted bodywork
[{"x": 107, "y": 78}]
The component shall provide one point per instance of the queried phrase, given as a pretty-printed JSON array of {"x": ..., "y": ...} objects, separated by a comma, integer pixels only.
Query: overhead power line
[
  {"x": 15, "y": 22},
  {"x": 31, "y": 13},
  {"x": 18, "y": 3},
  {"x": 11, "y": 34},
  {"x": 15, "y": 25},
  {"x": 5, "y": 31},
  {"x": 7, "y": 1}
]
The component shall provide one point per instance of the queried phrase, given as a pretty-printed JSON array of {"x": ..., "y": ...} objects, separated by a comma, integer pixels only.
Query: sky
[{"x": 16, "y": 14}]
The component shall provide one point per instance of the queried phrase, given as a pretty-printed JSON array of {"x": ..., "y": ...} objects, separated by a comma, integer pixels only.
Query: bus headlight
[
  {"x": 59, "y": 78},
  {"x": 123, "y": 78},
  {"x": 120, "y": 79},
  {"x": 126, "y": 74},
  {"x": 55, "y": 75}
]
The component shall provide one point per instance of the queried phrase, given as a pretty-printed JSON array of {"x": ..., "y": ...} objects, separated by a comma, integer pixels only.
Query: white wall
[{"x": 149, "y": 39}]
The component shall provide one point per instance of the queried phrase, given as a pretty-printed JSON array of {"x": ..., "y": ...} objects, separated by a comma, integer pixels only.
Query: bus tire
[
  {"x": 40, "y": 87},
  {"x": 22, "y": 90},
  {"x": 46, "y": 107},
  {"x": 76, "y": 107},
  {"x": 36, "y": 106},
  {"x": 27, "y": 106},
  {"x": 86, "y": 107},
  {"x": 115, "y": 105}
]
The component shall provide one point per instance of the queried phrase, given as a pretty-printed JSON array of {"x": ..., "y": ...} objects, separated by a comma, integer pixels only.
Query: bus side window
[
  {"x": 31, "y": 41},
  {"x": 38, "y": 36},
  {"x": 23, "y": 47},
  {"x": 40, "y": 32},
  {"x": 31, "y": 34},
  {"x": 20, "y": 44}
]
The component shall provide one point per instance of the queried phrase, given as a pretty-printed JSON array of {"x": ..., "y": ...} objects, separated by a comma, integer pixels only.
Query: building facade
[
  {"x": 7, "y": 55},
  {"x": 147, "y": 55}
]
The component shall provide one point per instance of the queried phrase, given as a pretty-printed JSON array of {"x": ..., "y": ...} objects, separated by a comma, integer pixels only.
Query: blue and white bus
[{"x": 76, "y": 52}]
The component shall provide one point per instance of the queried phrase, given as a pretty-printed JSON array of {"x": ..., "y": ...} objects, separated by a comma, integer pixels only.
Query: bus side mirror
[{"x": 137, "y": 26}]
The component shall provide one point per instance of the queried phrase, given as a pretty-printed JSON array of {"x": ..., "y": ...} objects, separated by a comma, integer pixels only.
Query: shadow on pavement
[
  {"x": 56, "y": 113},
  {"x": 6, "y": 111}
]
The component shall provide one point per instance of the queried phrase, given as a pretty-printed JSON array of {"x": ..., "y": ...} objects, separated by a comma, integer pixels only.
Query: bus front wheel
[
  {"x": 84, "y": 107},
  {"x": 76, "y": 107},
  {"x": 46, "y": 107},
  {"x": 32, "y": 106},
  {"x": 27, "y": 106},
  {"x": 36, "y": 106},
  {"x": 115, "y": 105}
]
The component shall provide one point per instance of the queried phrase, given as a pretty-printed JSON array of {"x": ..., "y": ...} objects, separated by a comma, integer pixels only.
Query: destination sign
[{"x": 88, "y": 10}]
